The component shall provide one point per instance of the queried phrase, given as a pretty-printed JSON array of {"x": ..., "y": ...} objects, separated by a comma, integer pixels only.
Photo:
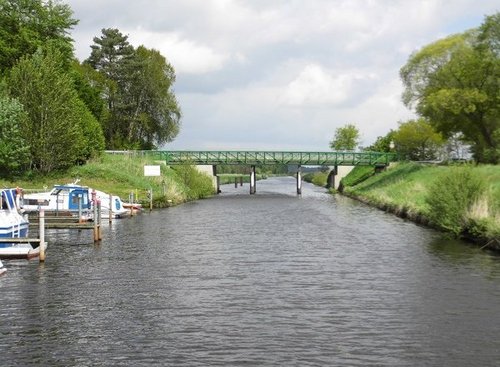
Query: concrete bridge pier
[
  {"x": 330, "y": 181},
  {"x": 299, "y": 180},
  {"x": 216, "y": 179},
  {"x": 253, "y": 180}
]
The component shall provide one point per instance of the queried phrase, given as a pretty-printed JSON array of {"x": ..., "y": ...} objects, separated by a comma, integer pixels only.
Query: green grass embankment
[
  {"x": 122, "y": 174},
  {"x": 317, "y": 178},
  {"x": 463, "y": 200}
]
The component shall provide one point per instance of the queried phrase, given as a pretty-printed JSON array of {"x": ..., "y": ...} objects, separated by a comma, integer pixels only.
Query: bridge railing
[{"x": 266, "y": 157}]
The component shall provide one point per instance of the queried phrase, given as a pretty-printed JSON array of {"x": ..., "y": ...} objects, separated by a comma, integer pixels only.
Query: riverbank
[
  {"x": 462, "y": 200},
  {"x": 123, "y": 175}
]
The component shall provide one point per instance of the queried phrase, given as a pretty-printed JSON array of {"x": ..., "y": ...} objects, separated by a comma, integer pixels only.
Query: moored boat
[
  {"x": 12, "y": 223},
  {"x": 73, "y": 199},
  {"x": 13, "y": 227}
]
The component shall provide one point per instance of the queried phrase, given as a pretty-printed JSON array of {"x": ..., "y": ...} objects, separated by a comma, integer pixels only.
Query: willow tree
[{"x": 453, "y": 82}]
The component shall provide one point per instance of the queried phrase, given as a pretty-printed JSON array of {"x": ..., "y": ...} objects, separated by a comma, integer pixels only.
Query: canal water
[{"x": 270, "y": 279}]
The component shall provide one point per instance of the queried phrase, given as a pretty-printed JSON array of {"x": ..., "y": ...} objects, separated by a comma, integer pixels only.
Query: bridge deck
[{"x": 269, "y": 157}]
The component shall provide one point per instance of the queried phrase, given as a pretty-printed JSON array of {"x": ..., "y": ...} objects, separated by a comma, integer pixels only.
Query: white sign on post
[{"x": 152, "y": 171}]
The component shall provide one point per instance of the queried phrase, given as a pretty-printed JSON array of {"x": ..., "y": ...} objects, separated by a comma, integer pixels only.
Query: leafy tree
[
  {"x": 383, "y": 143},
  {"x": 88, "y": 84},
  {"x": 417, "y": 140},
  {"x": 137, "y": 87},
  {"x": 454, "y": 83},
  {"x": 26, "y": 25},
  {"x": 54, "y": 129},
  {"x": 14, "y": 151},
  {"x": 346, "y": 138},
  {"x": 154, "y": 112},
  {"x": 112, "y": 57}
]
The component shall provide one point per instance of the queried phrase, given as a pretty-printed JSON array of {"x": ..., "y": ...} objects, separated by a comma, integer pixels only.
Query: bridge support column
[
  {"x": 253, "y": 181},
  {"x": 330, "y": 181},
  {"x": 299, "y": 180},
  {"x": 216, "y": 179}
]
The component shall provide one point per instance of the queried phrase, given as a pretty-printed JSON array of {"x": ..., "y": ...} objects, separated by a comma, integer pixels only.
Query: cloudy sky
[{"x": 281, "y": 74}]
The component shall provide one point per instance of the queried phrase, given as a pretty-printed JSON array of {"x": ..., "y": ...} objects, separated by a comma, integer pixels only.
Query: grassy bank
[
  {"x": 120, "y": 175},
  {"x": 317, "y": 178},
  {"x": 463, "y": 200}
]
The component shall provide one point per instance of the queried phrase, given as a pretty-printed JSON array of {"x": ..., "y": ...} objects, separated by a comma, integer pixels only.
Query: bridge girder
[{"x": 268, "y": 157}]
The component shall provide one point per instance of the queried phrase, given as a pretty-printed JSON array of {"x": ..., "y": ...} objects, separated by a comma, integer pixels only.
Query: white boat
[
  {"x": 13, "y": 226},
  {"x": 70, "y": 199},
  {"x": 12, "y": 223},
  {"x": 74, "y": 200},
  {"x": 2, "y": 268}
]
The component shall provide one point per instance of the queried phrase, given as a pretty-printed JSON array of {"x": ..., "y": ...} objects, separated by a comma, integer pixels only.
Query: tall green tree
[
  {"x": 26, "y": 25},
  {"x": 383, "y": 143},
  {"x": 154, "y": 113},
  {"x": 346, "y": 138},
  {"x": 56, "y": 116},
  {"x": 112, "y": 57},
  {"x": 143, "y": 111},
  {"x": 417, "y": 140},
  {"x": 454, "y": 83},
  {"x": 14, "y": 150}
]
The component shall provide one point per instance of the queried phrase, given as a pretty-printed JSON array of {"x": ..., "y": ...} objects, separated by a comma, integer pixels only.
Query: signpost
[{"x": 151, "y": 171}]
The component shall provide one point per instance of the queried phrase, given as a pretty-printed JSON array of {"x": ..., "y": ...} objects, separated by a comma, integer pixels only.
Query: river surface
[{"x": 270, "y": 279}]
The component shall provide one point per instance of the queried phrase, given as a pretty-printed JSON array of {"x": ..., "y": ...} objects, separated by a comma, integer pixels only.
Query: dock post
[
  {"x": 96, "y": 234},
  {"x": 299, "y": 180},
  {"x": 80, "y": 219},
  {"x": 110, "y": 212},
  {"x": 41, "y": 234},
  {"x": 99, "y": 226},
  {"x": 235, "y": 182},
  {"x": 150, "y": 200}
]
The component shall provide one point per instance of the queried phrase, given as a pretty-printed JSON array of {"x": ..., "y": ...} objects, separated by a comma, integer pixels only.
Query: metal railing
[{"x": 175, "y": 157}]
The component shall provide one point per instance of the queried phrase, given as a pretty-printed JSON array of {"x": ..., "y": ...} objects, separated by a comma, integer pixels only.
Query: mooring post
[
  {"x": 96, "y": 234},
  {"x": 253, "y": 189},
  {"x": 131, "y": 201},
  {"x": 299, "y": 180},
  {"x": 41, "y": 234},
  {"x": 80, "y": 219},
  {"x": 236, "y": 182},
  {"x": 99, "y": 227},
  {"x": 110, "y": 208},
  {"x": 150, "y": 200}
]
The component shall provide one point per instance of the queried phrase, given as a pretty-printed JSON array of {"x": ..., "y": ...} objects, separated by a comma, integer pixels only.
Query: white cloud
[
  {"x": 317, "y": 86},
  {"x": 187, "y": 56}
]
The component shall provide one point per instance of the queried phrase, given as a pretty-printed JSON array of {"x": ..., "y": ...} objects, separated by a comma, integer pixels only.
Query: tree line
[
  {"x": 56, "y": 111},
  {"x": 454, "y": 86}
]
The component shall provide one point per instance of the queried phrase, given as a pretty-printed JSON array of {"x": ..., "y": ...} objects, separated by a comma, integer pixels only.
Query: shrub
[
  {"x": 198, "y": 184},
  {"x": 451, "y": 197}
]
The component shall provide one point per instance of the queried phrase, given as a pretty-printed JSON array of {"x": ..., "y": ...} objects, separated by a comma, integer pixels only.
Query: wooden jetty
[{"x": 27, "y": 248}]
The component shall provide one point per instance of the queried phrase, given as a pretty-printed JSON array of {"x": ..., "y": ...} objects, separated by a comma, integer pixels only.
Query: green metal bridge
[{"x": 176, "y": 157}]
